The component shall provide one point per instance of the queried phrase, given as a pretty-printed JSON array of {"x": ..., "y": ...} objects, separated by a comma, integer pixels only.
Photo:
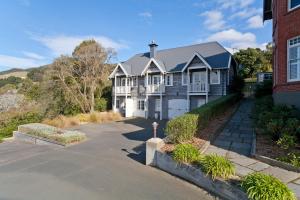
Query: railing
[
  {"x": 122, "y": 89},
  {"x": 198, "y": 87},
  {"x": 156, "y": 88}
]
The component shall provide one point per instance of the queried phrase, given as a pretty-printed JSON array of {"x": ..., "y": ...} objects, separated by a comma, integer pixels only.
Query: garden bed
[
  {"x": 50, "y": 134},
  {"x": 209, "y": 133}
]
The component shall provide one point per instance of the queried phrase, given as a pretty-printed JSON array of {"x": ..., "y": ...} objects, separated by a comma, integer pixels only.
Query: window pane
[
  {"x": 295, "y": 3},
  {"x": 294, "y": 53},
  {"x": 293, "y": 70},
  {"x": 214, "y": 77}
]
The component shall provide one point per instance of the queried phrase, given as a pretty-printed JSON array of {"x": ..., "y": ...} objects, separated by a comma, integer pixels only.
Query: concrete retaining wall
[{"x": 222, "y": 188}]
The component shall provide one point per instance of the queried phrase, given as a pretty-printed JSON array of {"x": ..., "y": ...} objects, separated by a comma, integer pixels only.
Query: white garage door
[{"x": 176, "y": 107}]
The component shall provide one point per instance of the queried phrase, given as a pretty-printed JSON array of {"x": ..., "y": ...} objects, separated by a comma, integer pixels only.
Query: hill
[{"x": 21, "y": 73}]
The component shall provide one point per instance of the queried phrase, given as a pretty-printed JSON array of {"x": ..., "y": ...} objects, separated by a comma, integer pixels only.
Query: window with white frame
[
  {"x": 134, "y": 81},
  {"x": 169, "y": 80},
  {"x": 294, "y": 59},
  {"x": 293, "y": 4},
  {"x": 118, "y": 103},
  {"x": 141, "y": 105},
  {"x": 184, "y": 78},
  {"x": 215, "y": 77}
]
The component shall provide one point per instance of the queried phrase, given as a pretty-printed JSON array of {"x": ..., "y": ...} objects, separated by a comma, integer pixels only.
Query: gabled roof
[
  {"x": 175, "y": 59},
  {"x": 267, "y": 10}
]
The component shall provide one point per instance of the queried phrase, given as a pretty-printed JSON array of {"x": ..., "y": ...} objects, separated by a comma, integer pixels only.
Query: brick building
[{"x": 286, "y": 56}]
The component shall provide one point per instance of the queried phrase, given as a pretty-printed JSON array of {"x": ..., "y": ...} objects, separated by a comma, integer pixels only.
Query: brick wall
[{"x": 286, "y": 25}]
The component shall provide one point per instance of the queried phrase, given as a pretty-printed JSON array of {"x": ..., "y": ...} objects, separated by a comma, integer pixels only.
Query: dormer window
[{"x": 293, "y": 4}]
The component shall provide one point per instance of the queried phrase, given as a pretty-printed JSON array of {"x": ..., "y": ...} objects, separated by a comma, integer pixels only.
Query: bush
[
  {"x": 275, "y": 127},
  {"x": 185, "y": 127},
  {"x": 237, "y": 85},
  {"x": 11, "y": 125},
  {"x": 261, "y": 186},
  {"x": 186, "y": 153},
  {"x": 264, "y": 89},
  {"x": 101, "y": 104},
  {"x": 287, "y": 141},
  {"x": 291, "y": 158},
  {"x": 217, "y": 166}
]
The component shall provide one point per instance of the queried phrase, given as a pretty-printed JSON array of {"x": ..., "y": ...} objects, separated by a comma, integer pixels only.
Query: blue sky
[{"x": 34, "y": 32}]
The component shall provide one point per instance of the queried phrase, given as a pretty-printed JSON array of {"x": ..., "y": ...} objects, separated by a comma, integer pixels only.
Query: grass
[
  {"x": 49, "y": 132},
  {"x": 186, "y": 153},
  {"x": 261, "y": 186},
  {"x": 69, "y": 121},
  {"x": 216, "y": 166}
]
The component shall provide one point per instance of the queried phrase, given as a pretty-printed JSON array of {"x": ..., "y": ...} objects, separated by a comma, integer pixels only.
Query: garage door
[{"x": 176, "y": 107}]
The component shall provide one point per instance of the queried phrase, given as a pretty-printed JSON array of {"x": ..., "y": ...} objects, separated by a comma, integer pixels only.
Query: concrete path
[
  {"x": 235, "y": 141},
  {"x": 107, "y": 166}
]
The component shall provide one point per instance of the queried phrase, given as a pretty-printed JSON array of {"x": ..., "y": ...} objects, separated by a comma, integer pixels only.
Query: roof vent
[{"x": 153, "y": 47}]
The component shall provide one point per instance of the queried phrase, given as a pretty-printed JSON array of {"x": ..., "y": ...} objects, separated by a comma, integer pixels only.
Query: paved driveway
[{"x": 107, "y": 166}]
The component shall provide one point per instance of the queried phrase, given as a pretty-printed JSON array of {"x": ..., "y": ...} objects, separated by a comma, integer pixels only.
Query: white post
[
  {"x": 206, "y": 99},
  {"x": 188, "y": 89},
  {"x": 146, "y": 103},
  {"x": 161, "y": 87},
  {"x": 115, "y": 94}
]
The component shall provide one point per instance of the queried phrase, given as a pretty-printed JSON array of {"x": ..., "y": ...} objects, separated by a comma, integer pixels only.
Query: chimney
[{"x": 153, "y": 46}]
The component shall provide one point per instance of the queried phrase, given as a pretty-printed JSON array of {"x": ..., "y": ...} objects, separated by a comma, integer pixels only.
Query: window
[
  {"x": 294, "y": 59},
  {"x": 184, "y": 78},
  {"x": 157, "y": 105},
  {"x": 215, "y": 77},
  {"x": 141, "y": 105},
  {"x": 134, "y": 81},
  {"x": 169, "y": 80},
  {"x": 118, "y": 103},
  {"x": 294, "y": 4}
]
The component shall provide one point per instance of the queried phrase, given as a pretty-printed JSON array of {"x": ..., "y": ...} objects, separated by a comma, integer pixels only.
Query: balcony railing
[
  {"x": 122, "y": 89},
  {"x": 156, "y": 89},
  {"x": 198, "y": 87}
]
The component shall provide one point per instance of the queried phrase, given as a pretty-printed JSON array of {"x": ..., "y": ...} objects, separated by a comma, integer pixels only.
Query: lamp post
[{"x": 155, "y": 125}]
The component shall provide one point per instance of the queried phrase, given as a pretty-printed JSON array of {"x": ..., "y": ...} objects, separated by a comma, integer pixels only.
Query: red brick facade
[{"x": 286, "y": 25}]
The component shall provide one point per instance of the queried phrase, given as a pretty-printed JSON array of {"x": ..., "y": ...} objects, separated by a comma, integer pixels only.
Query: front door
[
  {"x": 156, "y": 83},
  {"x": 199, "y": 81}
]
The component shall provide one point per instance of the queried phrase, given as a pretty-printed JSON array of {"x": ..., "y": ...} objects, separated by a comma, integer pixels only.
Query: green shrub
[
  {"x": 237, "y": 85},
  {"x": 261, "y": 186},
  {"x": 287, "y": 141},
  {"x": 7, "y": 128},
  {"x": 186, "y": 126},
  {"x": 264, "y": 89},
  {"x": 186, "y": 153},
  {"x": 182, "y": 128},
  {"x": 217, "y": 166},
  {"x": 275, "y": 128},
  {"x": 101, "y": 104},
  {"x": 291, "y": 158}
]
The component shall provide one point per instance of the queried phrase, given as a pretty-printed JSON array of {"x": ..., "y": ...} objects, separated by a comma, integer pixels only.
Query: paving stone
[
  {"x": 240, "y": 145},
  {"x": 283, "y": 175},
  {"x": 297, "y": 181},
  {"x": 213, "y": 149},
  {"x": 259, "y": 166},
  {"x": 242, "y": 171},
  {"x": 295, "y": 188},
  {"x": 222, "y": 144},
  {"x": 243, "y": 160},
  {"x": 232, "y": 154}
]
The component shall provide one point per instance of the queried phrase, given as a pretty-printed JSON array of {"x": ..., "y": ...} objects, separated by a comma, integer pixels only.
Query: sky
[{"x": 35, "y": 32}]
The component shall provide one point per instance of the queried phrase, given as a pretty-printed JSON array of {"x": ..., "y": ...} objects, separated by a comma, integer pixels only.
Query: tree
[
  {"x": 254, "y": 60},
  {"x": 82, "y": 74}
]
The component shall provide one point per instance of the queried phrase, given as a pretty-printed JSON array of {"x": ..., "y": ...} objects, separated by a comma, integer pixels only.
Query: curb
[
  {"x": 224, "y": 189},
  {"x": 35, "y": 139}
]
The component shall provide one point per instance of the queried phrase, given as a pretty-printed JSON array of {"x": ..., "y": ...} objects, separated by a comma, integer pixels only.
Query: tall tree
[
  {"x": 84, "y": 72},
  {"x": 254, "y": 60}
]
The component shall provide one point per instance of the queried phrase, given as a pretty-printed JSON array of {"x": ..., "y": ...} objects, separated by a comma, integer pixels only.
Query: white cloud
[
  {"x": 248, "y": 12},
  {"x": 33, "y": 55},
  {"x": 19, "y": 62},
  {"x": 236, "y": 39},
  {"x": 234, "y": 4},
  {"x": 214, "y": 20},
  {"x": 255, "y": 22},
  {"x": 64, "y": 45},
  {"x": 146, "y": 14}
]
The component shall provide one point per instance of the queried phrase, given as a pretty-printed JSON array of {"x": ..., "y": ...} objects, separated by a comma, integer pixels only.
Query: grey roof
[{"x": 173, "y": 60}]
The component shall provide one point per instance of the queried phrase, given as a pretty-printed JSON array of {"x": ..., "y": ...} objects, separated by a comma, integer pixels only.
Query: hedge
[{"x": 185, "y": 127}]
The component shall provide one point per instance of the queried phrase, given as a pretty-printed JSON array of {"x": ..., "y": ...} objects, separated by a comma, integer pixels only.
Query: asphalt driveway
[{"x": 107, "y": 166}]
